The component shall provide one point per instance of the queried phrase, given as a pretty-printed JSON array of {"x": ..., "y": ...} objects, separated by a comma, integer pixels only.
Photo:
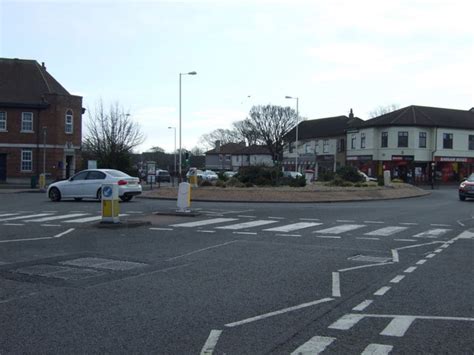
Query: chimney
[
  {"x": 43, "y": 66},
  {"x": 218, "y": 146},
  {"x": 243, "y": 144},
  {"x": 351, "y": 114}
]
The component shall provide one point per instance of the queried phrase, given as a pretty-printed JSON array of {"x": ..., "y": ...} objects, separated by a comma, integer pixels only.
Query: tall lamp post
[
  {"x": 174, "y": 129},
  {"x": 297, "y": 123},
  {"x": 180, "y": 152}
]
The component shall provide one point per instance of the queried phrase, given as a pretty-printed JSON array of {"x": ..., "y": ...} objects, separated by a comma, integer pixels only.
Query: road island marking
[{"x": 316, "y": 345}]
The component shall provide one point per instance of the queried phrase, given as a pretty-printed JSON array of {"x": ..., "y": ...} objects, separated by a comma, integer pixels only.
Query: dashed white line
[
  {"x": 13, "y": 224},
  {"x": 316, "y": 345},
  {"x": 368, "y": 238},
  {"x": 382, "y": 291},
  {"x": 9, "y": 214},
  {"x": 345, "y": 221},
  {"x": 24, "y": 217},
  {"x": 409, "y": 224},
  {"x": 444, "y": 246},
  {"x": 363, "y": 305},
  {"x": 336, "y": 285},
  {"x": 245, "y": 233},
  {"x": 374, "y": 222},
  {"x": 292, "y": 227},
  {"x": 429, "y": 256},
  {"x": 211, "y": 342},
  {"x": 405, "y": 240},
  {"x": 398, "y": 326},
  {"x": 309, "y": 219},
  {"x": 50, "y": 225},
  {"x": 203, "y": 222},
  {"x": 276, "y": 217},
  {"x": 438, "y": 250},
  {"x": 328, "y": 236},
  {"x": 346, "y": 322},
  {"x": 245, "y": 225},
  {"x": 377, "y": 349},
  {"x": 205, "y": 231},
  {"x": 410, "y": 269},
  {"x": 397, "y": 279},
  {"x": 340, "y": 229},
  {"x": 395, "y": 257},
  {"x": 421, "y": 262},
  {"x": 440, "y": 225},
  {"x": 288, "y": 235},
  {"x": 243, "y": 216},
  {"x": 161, "y": 229},
  {"x": 53, "y": 218}
]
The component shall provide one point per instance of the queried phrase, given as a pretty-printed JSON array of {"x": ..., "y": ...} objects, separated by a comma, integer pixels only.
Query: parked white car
[
  {"x": 292, "y": 174},
  {"x": 88, "y": 184},
  {"x": 209, "y": 175},
  {"x": 366, "y": 177}
]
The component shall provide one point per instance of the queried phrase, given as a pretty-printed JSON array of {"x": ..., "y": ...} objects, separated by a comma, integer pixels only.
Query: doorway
[
  {"x": 69, "y": 167},
  {"x": 3, "y": 167}
]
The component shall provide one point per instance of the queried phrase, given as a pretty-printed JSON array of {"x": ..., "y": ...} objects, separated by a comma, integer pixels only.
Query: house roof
[
  {"x": 323, "y": 127},
  {"x": 255, "y": 150},
  {"x": 424, "y": 116},
  {"x": 229, "y": 148},
  {"x": 25, "y": 82}
]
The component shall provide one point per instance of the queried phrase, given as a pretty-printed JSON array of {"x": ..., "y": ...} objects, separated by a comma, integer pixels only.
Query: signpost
[{"x": 110, "y": 203}]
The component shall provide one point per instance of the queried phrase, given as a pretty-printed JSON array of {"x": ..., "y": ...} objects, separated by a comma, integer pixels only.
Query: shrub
[
  {"x": 380, "y": 181},
  {"x": 326, "y": 176},
  {"x": 397, "y": 180},
  {"x": 248, "y": 184},
  {"x": 220, "y": 183},
  {"x": 349, "y": 173},
  {"x": 204, "y": 183},
  {"x": 298, "y": 182},
  {"x": 259, "y": 175}
]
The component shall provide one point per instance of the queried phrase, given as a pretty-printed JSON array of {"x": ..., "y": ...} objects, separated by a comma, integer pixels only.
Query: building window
[
  {"x": 362, "y": 140},
  {"x": 3, "y": 121},
  {"x": 221, "y": 157},
  {"x": 69, "y": 122},
  {"x": 326, "y": 146},
  {"x": 27, "y": 121},
  {"x": 227, "y": 157},
  {"x": 316, "y": 146},
  {"x": 307, "y": 148},
  {"x": 342, "y": 145},
  {"x": 422, "y": 143},
  {"x": 26, "y": 160},
  {"x": 384, "y": 140},
  {"x": 471, "y": 142},
  {"x": 447, "y": 141},
  {"x": 291, "y": 147},
  {"x": 353, "y": 141},
  {"x": 403, "y": 139}
]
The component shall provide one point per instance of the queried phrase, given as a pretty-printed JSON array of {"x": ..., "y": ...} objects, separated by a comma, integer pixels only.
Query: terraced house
[{"x": 40, "y": 123}]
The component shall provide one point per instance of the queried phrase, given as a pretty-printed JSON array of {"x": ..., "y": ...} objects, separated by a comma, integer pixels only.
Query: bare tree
[
  {"x": 245, "y": 130},
  {"x": 223, "y": 135},
  {"x": 111, "y": 136},
  {"x": 197, "y": 151},
  {"x": 382, "y": 110},
  {"x": 271, "y": 123},
  {"x": 156, "y": 149}
]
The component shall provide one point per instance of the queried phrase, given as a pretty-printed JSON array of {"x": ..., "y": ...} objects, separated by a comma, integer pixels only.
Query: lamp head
[
  {"x": 192, "y": 73},
  {"x": 288, "y": 97}
]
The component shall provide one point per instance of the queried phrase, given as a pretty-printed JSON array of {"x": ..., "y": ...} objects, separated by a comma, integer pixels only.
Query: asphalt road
[{"x": 344, "y": 278}]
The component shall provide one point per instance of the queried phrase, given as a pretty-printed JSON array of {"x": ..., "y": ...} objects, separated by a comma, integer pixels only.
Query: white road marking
[
  {"x": 382, "y": 291},
  {"x": 444, "y": 246},
  {"x": 292, "y": 227},
  {"x": 363, "y": 305},
  {"x": 385, "y": 232},
  {"x": 276, "y": 217},
  {"x": 462, "y": 319},
  {"x": 204, "y": 222},
  {"x": 288, "y": 235},
  {"x": 13, "y": 224},
  {"x": 395, "y": 257},
  {"x": 398, "y": 326},
  {"x": 374, "y": 222},
  {"x": 24, "y": 217},
  {"x": 53, "y": 218},
  {"x": 421, "y": 262},
  {"x": 368, "y": 238},
  {"x": 242, "y": 216},
  {"x": 440, "y": 225},
  {"x": 397, "y": 279},
  {"x": 84, "y": 220},
  {"x": 345, "y": 221},
  {"x": 346, "y": 322},
  {"x": 429, "y": 256},
  {"x": 340, "y": 229},
  {"x": 309, "y": 219},
  {"x": 316, "y": 345},
  {"x": 245, "y": 225},
  {"x": 410, "y": 269},
  {"x": 465, "y": 235},
  {"x": 438, "y": 250},
  {"x": 328, "y": 236},
  {"x": 201, "y": 250},
  {"x": 160, "y": 229},
  {"x": 205, "y": 231},
  {"x": 432, "y": 233},
  {"x": 211, "y": 342},
  {"x": 409, "y": 224},
  {"x": 377, "y": 349},
  {"x": 336, "y": 285},
  {"x": 246, "y": 233},
  {"x": 405, "y": 240},
  {"x": 9, "y": 214},
  {"x": 281, "y": 311},
  {"x": 418, "y": 245},
  {"x": 50, "y": 225},
  {"x": 41, "y": 238},
  {"x": 135, "y": 212},
  {"x": 364, "y": 266}
]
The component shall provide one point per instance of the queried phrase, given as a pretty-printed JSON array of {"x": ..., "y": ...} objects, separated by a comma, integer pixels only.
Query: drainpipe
[{"x": 37, "y": 146}]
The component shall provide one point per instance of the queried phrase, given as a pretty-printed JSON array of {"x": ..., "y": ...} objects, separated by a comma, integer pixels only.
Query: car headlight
[{"x": 463, "y": 185}]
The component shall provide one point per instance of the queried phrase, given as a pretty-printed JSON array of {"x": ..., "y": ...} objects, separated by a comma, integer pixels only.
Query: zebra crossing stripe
[
  {"x": 432, "y": 233},
  {"x": 377, "y": 349},
  {"x": 53, "y": 218},
  {"x": 385, "y": 232},
  {"x": 293, "y": 227},
  {"x": 24, "y": 217},
  {"x": 84, "y": 220},
  {"x": 9, "y": 214},
  {"x": 315, "y": 345},
  {"x": 340, "y": 229},
  {"x": 398, "y": 326},
  {"x": 260, "y": 222},
  {"x": 204, "y": 222},
  {"x": 346, "y": 322}
]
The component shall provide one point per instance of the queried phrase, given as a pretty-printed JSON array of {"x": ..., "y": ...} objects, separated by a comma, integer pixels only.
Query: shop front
[
  {"x": 364, "y": 163},
  {"x": 453, "y": 169}
]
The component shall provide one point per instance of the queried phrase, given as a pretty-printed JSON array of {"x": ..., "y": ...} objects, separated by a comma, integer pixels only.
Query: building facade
[
  {"x": 232, "y": 156},
  {"x": 40, "y": 124}
]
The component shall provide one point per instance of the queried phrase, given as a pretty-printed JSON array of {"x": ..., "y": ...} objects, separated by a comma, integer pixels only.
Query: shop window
[
  {"x": 471, "y": 142},
  {"x": 3, "y": 121},
  {"x": 27, "y": 121},
  {"x": 26, "y": 160},
  {"x": 69, "y": 121},
  {"x": 353, "y": 141},
  {"x": 403, "y": 139},
  {"x": 341, "y": 145},
  {"x": 362, "y": 140},
  {"x": 422, "y": 140},
  {"x": 326, "y": 146},
  {"x": 384, "y": 143},
  {"x": 447, "y": 141}
]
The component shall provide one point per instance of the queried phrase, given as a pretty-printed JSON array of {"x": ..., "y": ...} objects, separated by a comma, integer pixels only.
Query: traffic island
[
  {"x": 174, "y": 212},
  {"x": 124, "y": 224}
]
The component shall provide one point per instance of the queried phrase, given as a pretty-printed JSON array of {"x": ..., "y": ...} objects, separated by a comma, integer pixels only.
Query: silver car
[{"x": 88, "y": 183}]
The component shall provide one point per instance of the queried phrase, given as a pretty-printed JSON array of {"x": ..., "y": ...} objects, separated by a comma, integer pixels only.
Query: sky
[{"x": 333, "y": 55}]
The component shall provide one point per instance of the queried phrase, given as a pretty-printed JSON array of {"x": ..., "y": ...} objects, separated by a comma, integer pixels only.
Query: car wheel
[
  {"x": 99, "y": 194},
  {"x": 54, "y": 195},
  {"x": 126, "y": 198},
  {"x": 462, "y": 198},
  {"x": 78, "y": 199}
]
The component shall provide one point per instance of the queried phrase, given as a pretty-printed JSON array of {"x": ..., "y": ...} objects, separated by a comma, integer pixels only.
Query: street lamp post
[
  {"x": 180, "y": 151},
  {"x": 174, "y": 129},
  {"x": 297, "y": 124}
]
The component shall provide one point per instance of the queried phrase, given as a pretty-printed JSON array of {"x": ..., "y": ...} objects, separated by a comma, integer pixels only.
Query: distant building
[
  {"x": 232, "y": 156},
  {"x": 39, "y": 119}
]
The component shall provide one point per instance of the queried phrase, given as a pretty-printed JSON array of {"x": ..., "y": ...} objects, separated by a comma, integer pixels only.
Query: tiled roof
[
  {"x": 229, "y": 148},
  {"x": 424, "y": 116},
  {"x": 254, "y": 150},
  {"x": 323, "y": 127},
  {"x": 26, "y": 81}
]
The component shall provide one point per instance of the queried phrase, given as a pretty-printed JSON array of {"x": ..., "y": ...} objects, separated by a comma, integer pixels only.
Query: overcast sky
[{"x": 334, "y": 55}]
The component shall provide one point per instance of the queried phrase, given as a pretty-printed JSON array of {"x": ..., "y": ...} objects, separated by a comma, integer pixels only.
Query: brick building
[{"x": 40, "y": 123}]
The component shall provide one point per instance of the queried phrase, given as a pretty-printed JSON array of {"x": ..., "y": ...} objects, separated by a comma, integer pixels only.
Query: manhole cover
[
  {"x": 103, "y": 264},
  {"x": 58, "y": 272},
  {"x": 369, "y": 259}
]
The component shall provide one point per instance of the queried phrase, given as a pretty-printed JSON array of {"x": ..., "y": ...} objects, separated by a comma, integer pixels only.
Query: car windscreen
[{"x": 117, "y": 173}]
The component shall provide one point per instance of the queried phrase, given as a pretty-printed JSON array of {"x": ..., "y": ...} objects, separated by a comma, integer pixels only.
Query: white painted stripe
[
  {"x": 382, "y": 291},
  {"x": 409, "y": 224},
  {"x": 346, "y": 322},
  {"x": 288, "y": 235},
  {"x": 374, "y": 222},
  {"x": 276, "y": 217},
  {"x": 293, "y": 227},
  {"x": 84, "y": 220},
  {"x": 340, "y": 229},
  {"x": 410, "y": 269},
  {"x": 421, "y": 262},
  {"x": 309, "y": 219},
  {"x": 328, "y": 236},
  {"x": 397, "y": 279},
  {"x": 316, "y": 345},
  {"x": 465, "y": 319},
  {"x": 245, "y": 225},
  {"x": 13, "y": 224},
  {"x": 385, "y": 232},
  {"x": 377, "y": 349},
  {"x": 429, "y": 256},
  {"x": 395, "y": 257},
  {"x": 161, "y": 229},
  {"x": 33, "y": 239},
  {"x": 246, "y": 233},
  {"x": 432, "y": 233},
  {"x": 24, "y": 217},
  {"x": 201, "y": 250},
  {"x": 53, "y": 218},
  {"x": 242, "y": 216},
  {"x": 365, "y": 266},
  {"x": 9, "y": 214},
  {"x": 444, "y": 246},
  {"x": 363, "y": 305},
  {"x": 336, "y": 285},
  {"x": 438, "y": 250},
  {"x": 204, "y": 222},
  {"x": 368, "y": 238},
  {"x": 281, "y": 311},
  {"x": 418, "y": 245},
  {"x": 405, "y": 240},
  {"x": 53, "y": 211},
  {"x": 135, "y": 212},
  {"x": 50, "y": 225},
  {"x": 398, "y": 326},
  {"x": 211, "y": 342},
  {"x": 440, "y": 225},
  {"x": 345, "y": 221},
  {"x": 204, "y": 231}
]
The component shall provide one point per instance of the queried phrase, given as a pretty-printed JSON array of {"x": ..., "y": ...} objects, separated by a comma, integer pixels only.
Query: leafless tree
[
  {"x": 197, "y": 151},
  {"x": 111, "y": 136},
  {"x": 223, "y": 135},
  {"x": 382, "y": 110},
  {"x": 246, "y": 131}
]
